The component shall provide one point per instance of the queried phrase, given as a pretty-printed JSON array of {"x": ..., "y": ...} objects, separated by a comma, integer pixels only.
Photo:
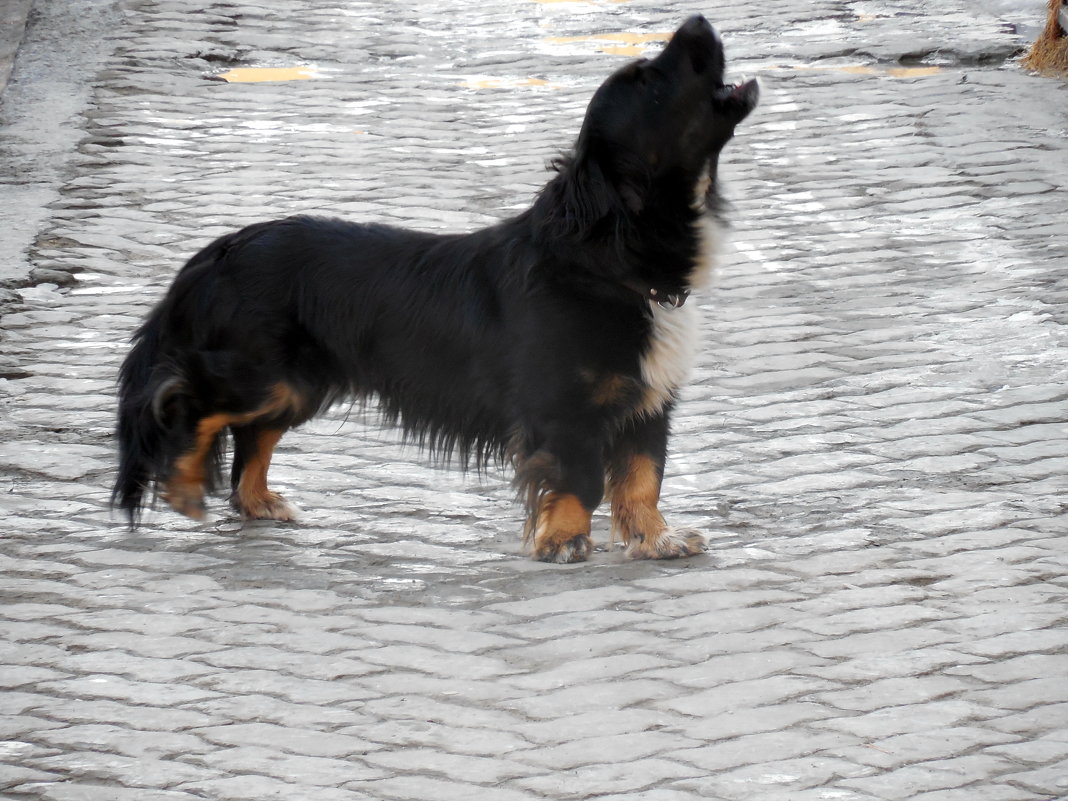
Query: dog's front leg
[
  {"x": 565, "y": 483},
  {"x": 636, "y": 471}
]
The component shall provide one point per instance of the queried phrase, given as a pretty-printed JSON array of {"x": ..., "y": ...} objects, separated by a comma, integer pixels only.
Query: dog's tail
[
  {"x": 147, "y": 446},
  {"x": 158, "y": 409}
]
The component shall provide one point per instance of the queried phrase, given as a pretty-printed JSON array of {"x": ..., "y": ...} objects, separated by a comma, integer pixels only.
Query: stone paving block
[
  {"x": 608, "y": 777},
  {"x": 108, "y": 768},
  {"x": 149, "y": 646},
  {"x": 456, "y": 767},
  {"x": 417, "y": 786},
  {"x": 783, "y": 777},
  {"x": 134, "y": 667},
  {"x": 140, "y": 717},
  {"x": 1025, "y": 694},
  {"x": 656, "y": 794},
  {"x": 889, "y": 691},
  {"x": 301, "y": 769},
  {"x": 910, "y": 662},
  {"x": 589, "y": 696},
  {"x": 454, "y": 735},
  {"x": 896, "y": 616},
  {"x": 136, "y": 743},
  {"x": 947, "y": 774},
  {"x": 574, "y": 601},
  {"x": 117, "y": 688},
  {"x": 719, "y": 669},
  {"x": 907, "y": 718},
  {"x": 755, "y": 720},
  {"x": 1051, "y": 780},
  {"x": 294, "y": 663},
  {"x": 66, "y": 791},
  {"x": 995, "y": 792},
  {"x": 13, "y": 775},
  {"x": 1015, "y": 643},
  {"x": 773, "y": 746},
  {"x": 1052, "y": 748},
  {"x": 920, "y": 747},
  {"x": 261, "y": 788}
]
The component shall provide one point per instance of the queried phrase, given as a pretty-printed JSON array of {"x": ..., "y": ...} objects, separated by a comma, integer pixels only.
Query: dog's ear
[
  {"x": 632, "y": 180},
  {"x": 586, "y": 194},
  {"x": 587, "y": 191}
]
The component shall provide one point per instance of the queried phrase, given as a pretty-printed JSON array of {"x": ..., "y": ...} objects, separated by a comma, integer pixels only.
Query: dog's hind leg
[
  {"x": 253, "y": 447},
  {"x": 260, "y": 429},
  {"x": 184, "y": 489},
  {"x": 636, "y": 471}
]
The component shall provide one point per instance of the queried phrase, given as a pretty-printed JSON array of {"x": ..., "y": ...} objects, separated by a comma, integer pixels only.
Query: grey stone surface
[{"x": 876, "y": 437}]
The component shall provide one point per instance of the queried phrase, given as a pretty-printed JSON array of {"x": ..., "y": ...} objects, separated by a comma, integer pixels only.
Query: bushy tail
[
  {"x": 144, "y": 454},
  {"x": 156, "y": 420}
]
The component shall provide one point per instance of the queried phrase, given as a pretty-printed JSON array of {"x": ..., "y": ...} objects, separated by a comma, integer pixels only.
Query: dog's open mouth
[
  {"x": 743, "y": 95},
  {"x": 668, "y": 300}
]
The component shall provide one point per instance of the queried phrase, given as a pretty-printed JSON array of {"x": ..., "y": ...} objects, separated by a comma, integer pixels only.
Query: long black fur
[{"x": 481, "y": 345}]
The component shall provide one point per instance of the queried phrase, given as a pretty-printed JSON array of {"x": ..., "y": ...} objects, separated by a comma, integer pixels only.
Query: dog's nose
[
  {"x": 699, "y": 29},
  {"x": 696, "y": 24}
]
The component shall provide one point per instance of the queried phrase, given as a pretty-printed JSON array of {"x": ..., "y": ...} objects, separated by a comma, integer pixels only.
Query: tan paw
[
  {"x": 576, "y": 549},
  {"x": 671, "y": 543},
  {"x": 269, "y": 506},
  {"x": 185, "y": 498}
]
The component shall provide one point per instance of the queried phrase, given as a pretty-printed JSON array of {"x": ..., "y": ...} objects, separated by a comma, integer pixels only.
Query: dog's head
[{"x": 653, "y": 132}]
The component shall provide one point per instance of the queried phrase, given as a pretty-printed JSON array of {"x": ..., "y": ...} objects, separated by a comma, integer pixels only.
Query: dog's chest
[
  {"x": 666, "y": 363},
  {"x": 674, "y": 338}
]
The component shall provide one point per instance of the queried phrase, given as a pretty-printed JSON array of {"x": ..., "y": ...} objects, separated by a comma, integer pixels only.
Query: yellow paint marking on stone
[
  {"x": 489, "y": 82},
  {"x": 262, "y": 74},
  {"x": 616, "y": 44},
  {"x": 913, "y": 72},
  {"x": 863, "y": 69}
]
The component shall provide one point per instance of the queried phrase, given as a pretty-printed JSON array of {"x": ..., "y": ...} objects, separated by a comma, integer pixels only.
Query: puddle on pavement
[
  {"x": 616, "y": 44},
  {"x": 263, "y": 74}
]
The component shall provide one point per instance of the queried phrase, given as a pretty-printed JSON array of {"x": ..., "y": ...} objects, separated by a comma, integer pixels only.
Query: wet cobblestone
[{"x": 876, "y": 438}]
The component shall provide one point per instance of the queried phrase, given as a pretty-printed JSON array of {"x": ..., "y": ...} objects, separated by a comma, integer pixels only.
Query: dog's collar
[{"x": 665, "y": 300}]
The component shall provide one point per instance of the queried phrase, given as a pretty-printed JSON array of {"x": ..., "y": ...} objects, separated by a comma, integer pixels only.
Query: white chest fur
[{"x": 675, "y": 338}]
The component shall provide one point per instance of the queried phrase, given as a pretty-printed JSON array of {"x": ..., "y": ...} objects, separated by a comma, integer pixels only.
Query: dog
[{"x": 557, "y": 339}]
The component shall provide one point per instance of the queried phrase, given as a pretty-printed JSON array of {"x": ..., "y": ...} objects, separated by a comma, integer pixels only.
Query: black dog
[{"x": 557, "y": 339}]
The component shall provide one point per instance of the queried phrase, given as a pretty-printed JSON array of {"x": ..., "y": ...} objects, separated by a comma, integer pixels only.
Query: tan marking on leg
[
  {"x": 637, "y": 521},
  {"x": 562, "y": 532},
  {"x": 634, "y": 498},
  {"x": 184, "y": 488},
  {"x": 254, "y": 500}
]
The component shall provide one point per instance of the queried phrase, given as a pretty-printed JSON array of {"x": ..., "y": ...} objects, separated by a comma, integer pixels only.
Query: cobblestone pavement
[{"x": 876, "y": 439}]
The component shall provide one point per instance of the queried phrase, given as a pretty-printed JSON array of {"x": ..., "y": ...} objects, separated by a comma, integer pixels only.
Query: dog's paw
[
  {"x": 186, "y": 499},
  {"x": 576, "y": 549},
  {"x": 269, "y": 506},
  {"x": 671, "y": 543}
]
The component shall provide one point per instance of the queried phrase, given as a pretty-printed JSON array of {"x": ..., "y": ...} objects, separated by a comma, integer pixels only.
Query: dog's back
[{"x": 327, "y": 309}]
